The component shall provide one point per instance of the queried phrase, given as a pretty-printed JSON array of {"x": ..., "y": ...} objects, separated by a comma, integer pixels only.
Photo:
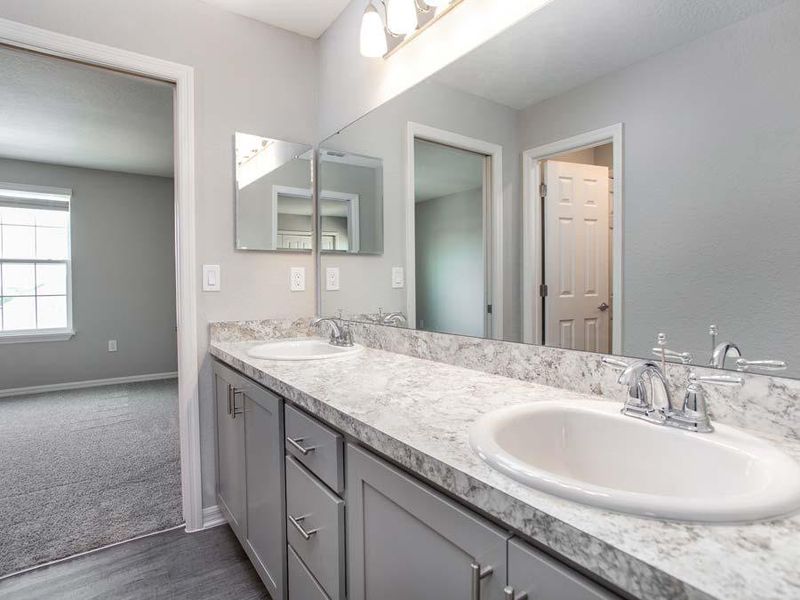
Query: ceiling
[
  {"x": 61, "y": 112},
  {"x": 570, "y": 42},
  {"x": 441, "y": 171},
  {"x": 306, "y": 17}
]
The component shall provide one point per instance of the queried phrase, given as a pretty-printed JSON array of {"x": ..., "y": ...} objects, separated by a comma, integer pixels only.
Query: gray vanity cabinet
[
  {"x": 250, "y": 475},
  {"x": 230, "y": 451},
  {"x": 532, "y": 574},
  {"x": 407, "y": 541}
]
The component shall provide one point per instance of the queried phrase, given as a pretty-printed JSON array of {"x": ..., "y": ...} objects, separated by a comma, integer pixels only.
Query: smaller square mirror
[
  {"x": 350, "y": 203},
  {"x": 274, "y": 208}
]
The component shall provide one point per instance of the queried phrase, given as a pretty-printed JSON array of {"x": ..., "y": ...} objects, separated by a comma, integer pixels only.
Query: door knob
[{"x": 604, "y": 307}]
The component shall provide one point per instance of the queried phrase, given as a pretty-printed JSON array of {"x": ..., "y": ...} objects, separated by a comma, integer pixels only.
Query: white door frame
[
  {"x": 64, "y": 46},
  {"x": 495, "y": 262},
  {"x": 532, "y": 227}
]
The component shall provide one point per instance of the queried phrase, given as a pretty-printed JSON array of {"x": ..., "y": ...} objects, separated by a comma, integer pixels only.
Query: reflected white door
[{"x": 576, "y": 265}]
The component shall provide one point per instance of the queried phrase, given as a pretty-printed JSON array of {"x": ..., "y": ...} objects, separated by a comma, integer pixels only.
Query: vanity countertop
[{"x": 419, "y": 413}]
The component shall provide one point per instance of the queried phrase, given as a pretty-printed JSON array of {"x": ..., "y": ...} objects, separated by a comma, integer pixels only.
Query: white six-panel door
[{"x": 576, "y": 240}]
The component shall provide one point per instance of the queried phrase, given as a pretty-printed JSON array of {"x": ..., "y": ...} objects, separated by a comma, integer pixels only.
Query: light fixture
[
  {"x": 373, "y": 36},
  {"x": 401, "y": 20},
  {"x": 401, "y": 16}
]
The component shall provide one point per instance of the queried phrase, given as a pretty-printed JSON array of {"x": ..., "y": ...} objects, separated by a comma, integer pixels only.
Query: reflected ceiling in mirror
[
  {"x": 274, "y": 207},
  {"x": 642, "y": 181}
]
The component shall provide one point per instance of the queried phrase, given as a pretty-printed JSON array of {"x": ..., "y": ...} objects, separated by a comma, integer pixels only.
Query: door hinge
[
  {"x": 543, "y": 290},
  {"x": 543, "y": 190},
  {"x": 489, "y": 308}
]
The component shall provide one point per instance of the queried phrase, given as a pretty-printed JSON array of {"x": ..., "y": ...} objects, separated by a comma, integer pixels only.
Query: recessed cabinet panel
[
  {"x": 230, "y": 451},
  {"x": 266, "y": 535},
  {"x": 408, "y": 541},
  {"x": 315, "y": 527},
  {"x": 533, "y": 572}
]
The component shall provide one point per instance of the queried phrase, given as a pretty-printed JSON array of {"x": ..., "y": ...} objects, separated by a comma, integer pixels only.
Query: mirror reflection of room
[{"x": 274, "y": 208}]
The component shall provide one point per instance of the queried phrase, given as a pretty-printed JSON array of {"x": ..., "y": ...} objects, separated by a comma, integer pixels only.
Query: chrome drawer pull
[
  {"x": 235, "y": 411},
  {"x": 296, "y": 521},
  {"x": 508, "y": 594},
  {"x": 301, "y": 449},
  {"x": 477, "y": 576}
]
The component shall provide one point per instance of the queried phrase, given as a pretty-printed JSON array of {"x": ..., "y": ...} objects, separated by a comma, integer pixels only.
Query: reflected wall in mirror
[
  {"x": 351, "y": 202},
  {"x": 643, "y": 183},
  {"x": 273, "y": 194}
]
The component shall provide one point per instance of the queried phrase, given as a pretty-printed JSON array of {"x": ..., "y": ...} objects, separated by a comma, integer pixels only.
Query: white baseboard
[
  {"x": 212, "y": 517},
  {"x": 76, "y": 385}
]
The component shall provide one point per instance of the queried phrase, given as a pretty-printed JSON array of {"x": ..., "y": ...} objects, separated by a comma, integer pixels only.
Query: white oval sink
[
  {"x": 587, "y": 451},
  {"x": 301, "y": 349}
]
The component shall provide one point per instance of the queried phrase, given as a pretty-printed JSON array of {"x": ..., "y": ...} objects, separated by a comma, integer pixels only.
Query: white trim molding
[
  {"x": 91, "y": 383},
  {"x": 494, "y": 248},
  {"x": 64, "y": 46},
  {"x": 532, "y": 276},
  {"x": 213, "y": 517}
]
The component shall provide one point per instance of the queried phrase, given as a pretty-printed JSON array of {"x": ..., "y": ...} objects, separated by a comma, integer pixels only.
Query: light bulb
[
  {"x": 373, "y": 37},
  {"x": 401, "y": 16}
]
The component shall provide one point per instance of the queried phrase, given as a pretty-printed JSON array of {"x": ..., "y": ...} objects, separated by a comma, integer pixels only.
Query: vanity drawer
[
  {"x": 319, "y": 448},
  {"x": 302, "y": 585},
  {"x": 315, "y": 527}
]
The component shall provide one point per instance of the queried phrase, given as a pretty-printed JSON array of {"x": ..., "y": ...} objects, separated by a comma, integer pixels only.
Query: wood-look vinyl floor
[{"x": 174, "y": 565}]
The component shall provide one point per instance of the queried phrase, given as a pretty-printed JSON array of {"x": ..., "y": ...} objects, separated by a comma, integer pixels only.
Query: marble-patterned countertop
[{"x": 419, "y": 413}]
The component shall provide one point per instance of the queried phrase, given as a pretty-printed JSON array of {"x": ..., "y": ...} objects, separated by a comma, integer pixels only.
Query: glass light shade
[
  {"x": 401, "y": 16},
  {"x": 373, "y": 37}
]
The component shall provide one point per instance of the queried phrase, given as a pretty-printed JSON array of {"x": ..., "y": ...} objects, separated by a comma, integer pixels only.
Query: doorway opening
[
  {"x": 454, "y": 233},
  {"x": 89, "y": 392},
  {"x": 572, "y": 209}
]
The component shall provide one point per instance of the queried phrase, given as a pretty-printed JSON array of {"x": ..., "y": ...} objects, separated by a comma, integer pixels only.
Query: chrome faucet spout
[
  {"x": 721, "y": 353},
  {"x": 340, "y": 332}
]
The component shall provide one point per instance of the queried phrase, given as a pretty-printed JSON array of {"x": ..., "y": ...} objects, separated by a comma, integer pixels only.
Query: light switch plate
[
  {"x": 112, "y": 345},
  {"x": 211, "y": 278},
  {"x": 398, "y": 277},
  {"x": 332, "y": 279},
  {"x": 297, "y": 279}
]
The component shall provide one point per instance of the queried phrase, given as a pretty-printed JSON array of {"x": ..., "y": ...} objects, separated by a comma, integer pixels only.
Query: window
[{"x": 35, "y": 268}]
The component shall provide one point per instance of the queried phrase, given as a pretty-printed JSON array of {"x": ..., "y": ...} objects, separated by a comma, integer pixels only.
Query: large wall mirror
[
  {"x": 273, "y": 194},
  {"x": 539, "y": 190}
]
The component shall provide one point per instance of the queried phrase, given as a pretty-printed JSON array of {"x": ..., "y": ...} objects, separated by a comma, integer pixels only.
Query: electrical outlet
[
  {"x": 112, "y": 345},
  {"x": 297, "y": 279},
  {"x": 332, "y": 279},
  {"x": 398, "y": 277}
]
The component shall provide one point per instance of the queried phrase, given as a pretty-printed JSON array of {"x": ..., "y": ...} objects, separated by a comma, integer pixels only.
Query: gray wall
[
  {"x": 711, "y": 175},
  {"x": 450, "y": 270},
  {"x": 248, "y": 77},
  {"x": 123, "y": 279}
]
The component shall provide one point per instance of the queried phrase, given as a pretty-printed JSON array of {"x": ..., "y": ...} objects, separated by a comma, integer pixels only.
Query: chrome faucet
[
  {"x": 396, "y": 319},
  {"x": 639, "y": 376},
  {"x": 721, "y": 352},
  {"x": 340, "y": 331}
]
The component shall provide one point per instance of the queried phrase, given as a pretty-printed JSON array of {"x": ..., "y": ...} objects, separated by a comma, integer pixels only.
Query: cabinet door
[
  {"x": 266, "y": 533},
  {"x": 534, "y": 573},
  {"x": 406, "y": 540},
  {"x": 230, "y": 451}
]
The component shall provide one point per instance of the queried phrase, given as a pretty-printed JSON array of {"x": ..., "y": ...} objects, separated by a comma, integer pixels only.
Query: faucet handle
[
  {"x": 682, "y": 357},
  {"x": 724, "y": 380},
  {"x": 762, "y": 365},
  {"x": 615, "y": 363}
]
